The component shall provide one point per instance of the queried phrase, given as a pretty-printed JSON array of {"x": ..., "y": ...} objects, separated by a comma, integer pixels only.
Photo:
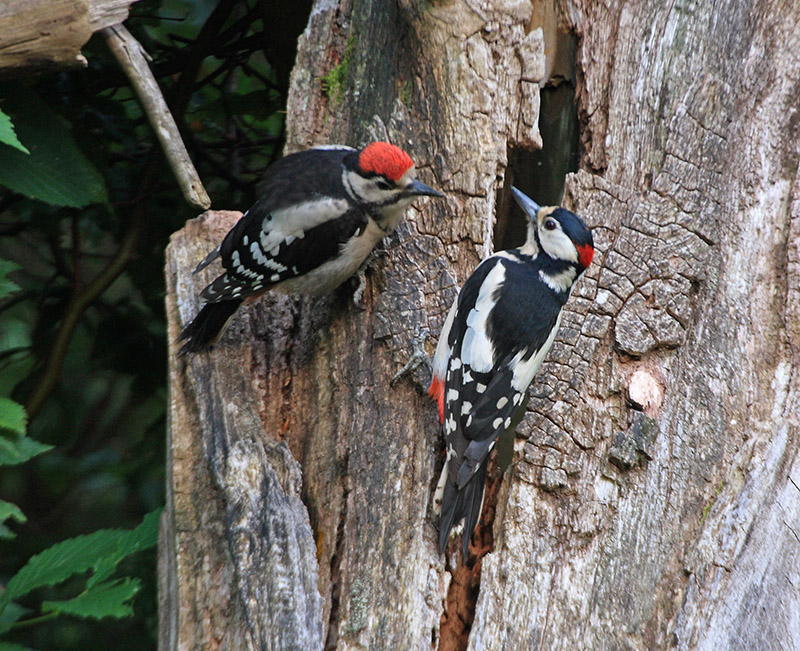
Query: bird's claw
[{"x": 418, "y": 355}]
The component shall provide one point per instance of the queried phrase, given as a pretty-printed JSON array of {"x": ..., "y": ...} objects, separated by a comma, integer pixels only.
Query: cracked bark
[{"x": 653, "y": 497}]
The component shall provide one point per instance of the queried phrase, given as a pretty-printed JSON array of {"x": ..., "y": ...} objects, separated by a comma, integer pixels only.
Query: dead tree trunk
[{"x": 654, "y": 496}]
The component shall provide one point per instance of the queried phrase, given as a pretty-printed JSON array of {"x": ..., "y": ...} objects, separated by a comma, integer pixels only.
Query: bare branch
[{"x": 133, "y": 59}]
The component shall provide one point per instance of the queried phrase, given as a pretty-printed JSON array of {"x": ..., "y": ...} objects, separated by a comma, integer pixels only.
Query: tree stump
[{"x": 653, "y": 496}]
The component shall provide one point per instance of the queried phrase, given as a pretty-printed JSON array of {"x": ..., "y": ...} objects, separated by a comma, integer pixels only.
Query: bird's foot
[{"x": 418, "y": 355}]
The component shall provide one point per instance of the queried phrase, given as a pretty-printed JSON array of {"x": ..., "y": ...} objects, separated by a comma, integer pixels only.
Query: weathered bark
[
  {"x": 51, "y": 33},
  {"x": 653, "y": 499}
]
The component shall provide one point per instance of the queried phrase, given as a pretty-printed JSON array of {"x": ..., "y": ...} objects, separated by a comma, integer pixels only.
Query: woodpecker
[
  {"x": 498, "y": 331},
  {"x": 319, "y": 214}
]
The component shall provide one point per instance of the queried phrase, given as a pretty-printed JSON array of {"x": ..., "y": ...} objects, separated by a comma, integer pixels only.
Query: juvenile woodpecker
[
  {"x": 319, "y": 214},
  {"x": 494, "y": 339}
]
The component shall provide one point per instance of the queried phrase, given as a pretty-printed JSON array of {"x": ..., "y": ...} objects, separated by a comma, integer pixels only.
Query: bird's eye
[
  {"x": 550, "y": 224},
  {"x": 383, "y": 185}
]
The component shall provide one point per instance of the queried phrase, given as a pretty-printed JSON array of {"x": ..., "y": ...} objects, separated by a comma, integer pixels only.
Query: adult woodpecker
[
  {"x": 494, "y": 339},
  {"x": 319, "y": 214}
]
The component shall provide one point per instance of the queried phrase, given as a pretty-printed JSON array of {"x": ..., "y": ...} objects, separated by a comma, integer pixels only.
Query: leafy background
[{"x": 86, "y": 217}]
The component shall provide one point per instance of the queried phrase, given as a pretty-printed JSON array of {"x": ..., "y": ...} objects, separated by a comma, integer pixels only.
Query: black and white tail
[
  {"x": 466, "y": 503},
  {"x": 207, "y": 326}
]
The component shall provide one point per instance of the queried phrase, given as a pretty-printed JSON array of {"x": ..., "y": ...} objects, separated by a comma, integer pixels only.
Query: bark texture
[
  {"x": 653, "y": 500},
  {"x": 51, "y": 33}
]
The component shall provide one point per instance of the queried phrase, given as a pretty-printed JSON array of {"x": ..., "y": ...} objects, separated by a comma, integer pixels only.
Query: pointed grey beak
[
  {"x": 420, "y": 189},
  {"x": 527, "y": 204}
]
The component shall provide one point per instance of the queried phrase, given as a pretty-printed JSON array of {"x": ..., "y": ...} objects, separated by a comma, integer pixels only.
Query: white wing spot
[
  {"x": 507, "y": 423},
  {"x": 496, "y": 423},
  {"x": 480, "y": 388},
  {"x": 502, "y": 402},
  {"x": 452, "y": 395},
  {"x": 466, "y": 407},
  {"x": 455, "y": 364}
]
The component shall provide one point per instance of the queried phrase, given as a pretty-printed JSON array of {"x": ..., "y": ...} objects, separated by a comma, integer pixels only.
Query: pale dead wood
[{"x": 49, "y": 33}]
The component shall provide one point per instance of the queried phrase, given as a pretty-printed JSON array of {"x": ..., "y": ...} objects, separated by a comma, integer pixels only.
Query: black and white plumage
[
  {"x": 319, "y": 214},
  {"x": 498, "y": 332}
]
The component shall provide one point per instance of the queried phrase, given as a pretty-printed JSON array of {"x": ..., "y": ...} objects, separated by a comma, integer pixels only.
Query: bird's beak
[
  {"x": 527, "y": 204},
  {"x": 418, "y": 188}
]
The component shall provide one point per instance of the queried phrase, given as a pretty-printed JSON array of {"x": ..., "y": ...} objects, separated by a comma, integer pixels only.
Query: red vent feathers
[{"x": 384, "y": 158}]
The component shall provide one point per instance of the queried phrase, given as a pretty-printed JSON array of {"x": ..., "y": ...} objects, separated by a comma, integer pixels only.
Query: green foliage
[
  {"x": 19, "y": 449},
  {"x": 7, "y": 286},
  {"x": 11, "y": 614},
  {"x": 7, "y": 134},
  {"x": 12, "y": 417},
  {"x": 93, "y": 151},
  {"x": 55, "y": 170},
  {"x": 110, "y": 599},
  {"x": 100, "y": 551},
  {"x": 9, "y": 511},
  {"x": 10, "y": 646}
]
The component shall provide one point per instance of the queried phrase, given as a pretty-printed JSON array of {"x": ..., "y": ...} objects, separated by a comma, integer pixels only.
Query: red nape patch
[
  {"x": 436, "y": 391},
  {"x": 384, "y": 158},
  {"x": 585, "y": 255}
]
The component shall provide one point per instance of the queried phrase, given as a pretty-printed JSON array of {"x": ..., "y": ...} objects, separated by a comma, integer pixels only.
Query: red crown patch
[{"x": 384, "y": 158}]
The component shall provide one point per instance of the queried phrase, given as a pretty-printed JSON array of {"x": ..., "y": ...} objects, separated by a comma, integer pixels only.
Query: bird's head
[
  {"x": 559, "y": 233},
  {"x": 382, "y": 177}
]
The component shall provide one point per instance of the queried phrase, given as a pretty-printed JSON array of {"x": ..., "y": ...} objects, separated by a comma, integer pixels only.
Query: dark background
[{"x": 224, "y": 69}]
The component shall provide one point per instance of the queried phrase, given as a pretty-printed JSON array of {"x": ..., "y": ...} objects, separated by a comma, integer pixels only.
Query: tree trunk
[{"x": 654, "y": 494}]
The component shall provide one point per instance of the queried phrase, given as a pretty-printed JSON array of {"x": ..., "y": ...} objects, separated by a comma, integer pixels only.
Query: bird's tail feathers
[
  {"x": 457, "y": 504},
  {"x": 207, "y": 326}
]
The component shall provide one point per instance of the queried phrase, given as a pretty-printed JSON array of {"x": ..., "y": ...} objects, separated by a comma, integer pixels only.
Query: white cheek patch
[
  {"x": 477, "y": 349},
  {"x": 557, "y": 245}
]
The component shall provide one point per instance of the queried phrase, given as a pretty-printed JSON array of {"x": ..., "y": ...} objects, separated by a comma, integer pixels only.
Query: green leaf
[
  {"x": 12, "y": 416},
  {"x": 104, "y": 600},
  {"x": 11, "y": 646},
  {"x": 142, "y": 537},
  {"x": 9, "y": 511},
  {"x": 11, "y": 614},
  {"x": 7, "y": 287},
  {"x": 76, "y": 555},
  {"x": 7, "y": 134},
  {"x": 56, "y": 171},
  {"x": 19, "y": 449}
]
